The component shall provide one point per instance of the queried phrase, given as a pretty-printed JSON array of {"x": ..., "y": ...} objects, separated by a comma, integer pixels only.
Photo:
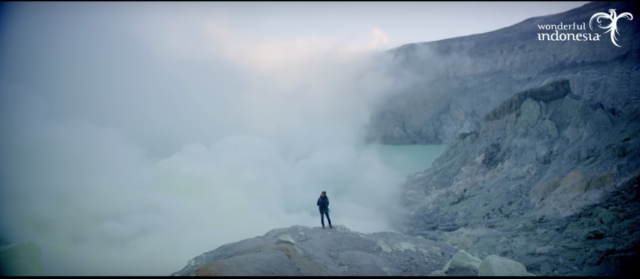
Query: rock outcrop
[
  {"x": 498, "y": 266},
  {"x": 549, "y": 180},
  {"x": 462, "y": 264},
  {"x": 304, "y": 251},
  {"x": 448, "y": 86}
]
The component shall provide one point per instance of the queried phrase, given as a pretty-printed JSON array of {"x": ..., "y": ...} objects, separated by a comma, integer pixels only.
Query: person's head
[{"x": 324, "y": 194}]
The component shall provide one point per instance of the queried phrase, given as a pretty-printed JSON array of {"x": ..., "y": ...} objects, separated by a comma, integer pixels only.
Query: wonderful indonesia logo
[{"x": 579, "y": 32}]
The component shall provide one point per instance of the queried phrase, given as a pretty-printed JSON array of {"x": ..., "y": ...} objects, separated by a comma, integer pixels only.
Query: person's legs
[
  {"x": 328, "y": 219},
  {"x": 322, "y": 218}
]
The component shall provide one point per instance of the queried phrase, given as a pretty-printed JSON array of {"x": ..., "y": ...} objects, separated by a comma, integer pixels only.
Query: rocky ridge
[
  {"x": 449, "y": 85},
  {"x": 549, "y": 180},
  {"x": 305, "y": 251}
]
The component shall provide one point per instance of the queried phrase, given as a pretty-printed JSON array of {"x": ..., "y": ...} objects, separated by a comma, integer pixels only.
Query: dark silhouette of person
[{"x": 323, "y": 205}]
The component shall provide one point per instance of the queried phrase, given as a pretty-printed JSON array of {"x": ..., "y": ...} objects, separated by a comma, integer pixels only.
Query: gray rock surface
[
  {"x": 449, "y": 85},
  {"x": 462, "y": 264},
  {"x": 302, "y": 250},
  {"x": 548, "y": 180},
  {"x": 499, "y": 266}
]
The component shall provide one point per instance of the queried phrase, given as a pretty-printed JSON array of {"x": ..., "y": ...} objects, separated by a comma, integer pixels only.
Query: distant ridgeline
[{"x": 450, "y": 85}]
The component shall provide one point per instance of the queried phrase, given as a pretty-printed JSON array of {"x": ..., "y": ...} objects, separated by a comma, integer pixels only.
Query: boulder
[
  {"x": 498, "y": 266},
  {"x": 461, "y": 262}
]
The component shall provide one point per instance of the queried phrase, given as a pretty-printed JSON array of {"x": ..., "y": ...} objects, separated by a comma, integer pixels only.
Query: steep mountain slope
[
  {"x": 449, "y": 85},
  {"x": 545, "y": 171}
]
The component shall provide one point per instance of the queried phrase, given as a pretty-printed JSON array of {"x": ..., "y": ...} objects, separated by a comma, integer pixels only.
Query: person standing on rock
[{"x": 323, "y": 205}]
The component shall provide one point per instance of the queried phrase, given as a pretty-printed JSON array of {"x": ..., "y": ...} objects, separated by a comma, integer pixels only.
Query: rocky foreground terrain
[{"x": 313, "y": 251}]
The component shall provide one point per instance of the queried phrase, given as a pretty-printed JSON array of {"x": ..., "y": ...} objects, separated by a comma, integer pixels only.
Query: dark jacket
[{"x": 323, "y": 204}]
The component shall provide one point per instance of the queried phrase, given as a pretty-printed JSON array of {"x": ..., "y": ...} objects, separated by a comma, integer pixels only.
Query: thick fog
[{"x": 136, "y": 137}]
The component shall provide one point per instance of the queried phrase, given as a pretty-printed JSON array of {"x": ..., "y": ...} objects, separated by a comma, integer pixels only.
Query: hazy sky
[
  {"x": 136, "y": 136},
  {"x": 402, "y": 22}
]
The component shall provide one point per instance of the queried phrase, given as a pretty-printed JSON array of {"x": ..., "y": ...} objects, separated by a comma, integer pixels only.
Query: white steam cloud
[{"x": 136, "y": 137}]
